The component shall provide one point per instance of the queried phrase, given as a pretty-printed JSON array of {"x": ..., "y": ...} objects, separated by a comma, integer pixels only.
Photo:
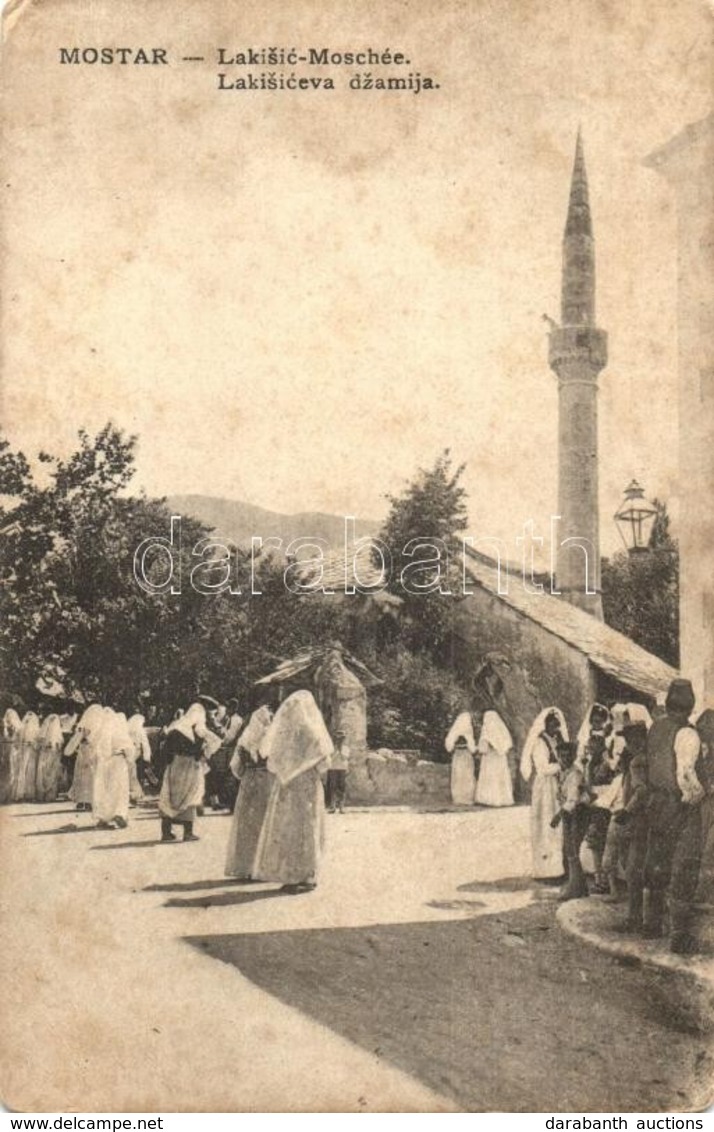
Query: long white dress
[
  {"x": 256, "y": 784},
  {"x": 83, "y": 744},
  {"x": 461, "y": 745},
  {"x": 115, "y": 752},
  {"x": 49, "y": 762},
  {"x": 297, "y": 747},
  {"x": 11, "y": 731},
  {"x": 29, "y": 752},
  {"x": 494, "y": 786}
]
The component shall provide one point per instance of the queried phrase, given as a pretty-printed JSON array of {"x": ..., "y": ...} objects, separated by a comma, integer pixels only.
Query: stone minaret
[{"x": 578, "y": 351}]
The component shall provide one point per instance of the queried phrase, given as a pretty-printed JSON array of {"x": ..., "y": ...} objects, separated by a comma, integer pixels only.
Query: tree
[
  {"x": 640, "y": 592},
  {"x": 415, "y": 705},
  {"x": 422, "y": 534},
  {"x": 72, "y": 608}
]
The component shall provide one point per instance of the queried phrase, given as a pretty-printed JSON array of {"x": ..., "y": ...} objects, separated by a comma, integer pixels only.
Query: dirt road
[{"x": 426, "y": 973}]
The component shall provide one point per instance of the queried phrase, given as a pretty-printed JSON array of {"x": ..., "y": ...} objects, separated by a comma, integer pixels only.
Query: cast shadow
[
  {"x": 48, "y": 813},
  {"x": 195, "y": 885},
  {"x": 223, "y": 899},
  {"x": 61, "y": 829},
  {"x": 456, "y": 905},
  {"x": 132, "y": 844},
  {"x": 505, "y": 884},
  {"x": 454, "y": 1004}
]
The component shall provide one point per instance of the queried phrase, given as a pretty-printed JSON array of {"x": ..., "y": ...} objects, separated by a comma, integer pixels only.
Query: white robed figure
[
  {"x": 29, "y": 752},
  {"x": 83, "y": 744},
  {"x": 188, "y": 746},
  {"x": 49, "y": 761},
  {"x": 461, "y": 745},
  {"x": 624, "y": 714},
  {"x": 142, "y": 750},
  {"x": 297, "y": 747},
  {"x": 248, "y": 765},
  {"x": 11, "y": 732},
  {"x": 539, "y": 760},
  {"x": 115, "y": 752},
  {"x": 494, "y": 786}
]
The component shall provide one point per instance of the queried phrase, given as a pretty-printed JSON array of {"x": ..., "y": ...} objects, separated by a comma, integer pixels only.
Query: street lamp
[{"x": 635, "y": 518}]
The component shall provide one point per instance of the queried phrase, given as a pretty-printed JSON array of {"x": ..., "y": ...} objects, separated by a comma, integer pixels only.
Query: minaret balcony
[{"x": 572, "y": 346}]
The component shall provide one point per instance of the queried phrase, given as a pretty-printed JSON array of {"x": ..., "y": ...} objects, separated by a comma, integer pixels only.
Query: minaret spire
[
  {"x": 578, "y": 351},
  {"x": 579, "y": 222},
  {"x": 578, "y": 295}
]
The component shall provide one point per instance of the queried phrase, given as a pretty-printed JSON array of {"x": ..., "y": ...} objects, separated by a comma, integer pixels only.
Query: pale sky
[{"x": 296, "y": 299}]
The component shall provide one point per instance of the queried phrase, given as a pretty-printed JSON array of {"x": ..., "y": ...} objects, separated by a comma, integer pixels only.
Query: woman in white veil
[
  {"x": 460, "y": 743},
  {"x": 256, "y": 781},
  {"x": 494, "y": 787},
  {"x": 49, "y": 762},
  {"x": 540, "y": 762},
  {"x": 297, "y": 747},
  {"x": 188, "y": 746},
  {"x": 11, "y": 729},
  {"x": 83, "y": 744},
  {"x": 624, "y": 714},
  {"x": 115, "y": 753}
]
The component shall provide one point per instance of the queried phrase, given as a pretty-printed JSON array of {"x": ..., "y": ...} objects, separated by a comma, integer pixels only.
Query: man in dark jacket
[{"x": 672, "y": 750}]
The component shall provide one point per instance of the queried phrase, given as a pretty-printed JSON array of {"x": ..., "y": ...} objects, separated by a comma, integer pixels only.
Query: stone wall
[
  {"x": 544, "y": 669},
  {"x": 376, "y": 780}
]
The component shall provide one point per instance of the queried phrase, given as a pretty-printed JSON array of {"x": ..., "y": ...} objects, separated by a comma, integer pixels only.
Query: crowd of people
[
  {"x": 279, "y": 766},
  {"x": 627, "y": 810}
]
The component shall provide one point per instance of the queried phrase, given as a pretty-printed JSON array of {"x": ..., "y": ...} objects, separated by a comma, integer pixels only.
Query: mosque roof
[{"x": 608, "y": 650}]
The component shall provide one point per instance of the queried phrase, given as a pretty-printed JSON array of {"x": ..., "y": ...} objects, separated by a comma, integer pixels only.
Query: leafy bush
[{"x": 415, "y": 706}]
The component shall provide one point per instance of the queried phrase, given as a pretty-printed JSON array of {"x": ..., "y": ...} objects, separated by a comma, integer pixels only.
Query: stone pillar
[{"x": 577, "y": 353}]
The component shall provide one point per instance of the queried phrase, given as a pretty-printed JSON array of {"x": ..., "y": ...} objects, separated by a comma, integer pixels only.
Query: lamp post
[{"x": 635, "y": 519}]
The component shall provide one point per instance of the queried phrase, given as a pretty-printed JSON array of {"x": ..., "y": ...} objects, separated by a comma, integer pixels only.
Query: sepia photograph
[{"x": 356, "y": 536}]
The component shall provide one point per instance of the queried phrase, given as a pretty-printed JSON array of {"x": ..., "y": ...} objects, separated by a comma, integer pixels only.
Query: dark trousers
[
  {"x": 635, "y": 843},
  {"x": 684, "y": 876},
  {"x": 336, "y": 789},
  {"x": 596, "y": 833},
  {"x": 167, "y": 823},
  {"x": 219, "y": 779},
  {"x": 575, "y": 825},
  {"x": 666, "y": 816}
]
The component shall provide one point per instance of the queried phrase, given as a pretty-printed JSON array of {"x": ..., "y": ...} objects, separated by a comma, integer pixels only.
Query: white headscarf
[
  {"x": 30, "y": 731},
  {"x": 630, "y": 713},
  {"x": 121, "y": 739},
  {"x": 534, "y": 735},
  {"x": 494, "y": 734},
  {"x": 193, "y": 725},
  {"x": 100, "y": 739},
  {"x": 461, "y": 728},
  {"x": 297, "y": 738},
  {"x": 88, "y": 726},
  {"x": 252, "y": 736},
  {"x": 11, "y": 724},
  {"x": 51, "y": 732},
  {"x": 586, "y": 727}
]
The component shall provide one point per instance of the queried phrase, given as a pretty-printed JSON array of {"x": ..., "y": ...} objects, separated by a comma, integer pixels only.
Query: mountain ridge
[{"x": 239, "y": 521}]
